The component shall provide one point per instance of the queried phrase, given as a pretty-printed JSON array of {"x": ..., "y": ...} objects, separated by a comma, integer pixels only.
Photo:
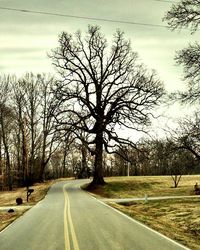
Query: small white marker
[{"x": 146, "y": 198}]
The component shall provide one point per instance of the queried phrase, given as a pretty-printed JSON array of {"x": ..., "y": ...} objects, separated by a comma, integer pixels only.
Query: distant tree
[
  {"x": 101, "y": 89},
  {"x": 21, "y": 135},
  {"x": 56, "y": 162},
  {"x": 120, "y": 162},
  {"x": 165, "y": 157},
  {"x": 66, "y": 148},
  {"x": 84, "y": 152},
  {"x": 32, "y": 99},
  {"x": 187, "y": 136},
  {"x": 180, "y": 162},
  {"x": 6, "y": 126},
  {"x": 50, "y": 136}
]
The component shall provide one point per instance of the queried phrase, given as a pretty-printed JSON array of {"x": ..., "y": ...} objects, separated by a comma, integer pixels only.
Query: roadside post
[{"x": 146, "y": 198}]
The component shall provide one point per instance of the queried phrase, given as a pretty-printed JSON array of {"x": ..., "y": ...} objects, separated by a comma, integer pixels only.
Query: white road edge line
[{"x": 139, "y": 223}]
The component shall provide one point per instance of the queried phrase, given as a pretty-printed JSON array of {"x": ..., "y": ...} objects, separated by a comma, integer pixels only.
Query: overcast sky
[{"x": 26, "y": 38}]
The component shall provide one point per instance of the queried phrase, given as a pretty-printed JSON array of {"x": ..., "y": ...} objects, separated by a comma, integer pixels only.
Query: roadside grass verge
[
  {"x": 176, "y": 218},
  {"x": 8, "y": 198},
  {"x": 7, "y": 218},
  {"x": 138, "y": 186}
]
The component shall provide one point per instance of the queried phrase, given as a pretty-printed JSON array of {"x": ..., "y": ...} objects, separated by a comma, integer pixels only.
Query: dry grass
[
  {"x": 177, "y": 219},
  {"x": 7, "y": 218},
  {"x": 9, "y": 199},
  {"x": 138, "y": 186}
]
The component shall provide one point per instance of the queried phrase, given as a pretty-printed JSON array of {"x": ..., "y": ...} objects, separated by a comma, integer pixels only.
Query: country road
[{"x": 70, "y": 219}]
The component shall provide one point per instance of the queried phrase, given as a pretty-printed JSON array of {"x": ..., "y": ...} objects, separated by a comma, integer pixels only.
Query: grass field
[
  {"x": 138, "y": 186},
  {"x": 177, "y": 219}
]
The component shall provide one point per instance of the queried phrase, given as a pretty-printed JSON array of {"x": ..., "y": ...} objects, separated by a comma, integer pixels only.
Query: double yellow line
[{"x": 68, "y": 224}]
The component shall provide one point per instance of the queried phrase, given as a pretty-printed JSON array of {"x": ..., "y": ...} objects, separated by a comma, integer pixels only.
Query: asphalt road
[{"x": 70, "y": 219}]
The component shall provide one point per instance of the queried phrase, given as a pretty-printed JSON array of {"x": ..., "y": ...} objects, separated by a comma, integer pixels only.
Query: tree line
[{"x": 34, "y": 146}]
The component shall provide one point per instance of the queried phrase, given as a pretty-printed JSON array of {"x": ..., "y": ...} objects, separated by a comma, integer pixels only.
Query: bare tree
[
  {"x": 6, "y": 119},
  {"x": 187, "y": 136},
  {"x": 66, "y": 142},
  {"x": 189, "y": 58},
  {"x": 49, "y": 133},
  {"x": 184, "y": 14},
  {"x": 180, "y": 162},
  {"x": 17, "y": 103},
  {"x": 100, "y": 89},
  {"x": 32, "y": 99}
]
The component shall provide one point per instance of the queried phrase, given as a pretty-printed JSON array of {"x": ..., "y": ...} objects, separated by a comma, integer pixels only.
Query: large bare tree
[{"x": 102, "y": 88}]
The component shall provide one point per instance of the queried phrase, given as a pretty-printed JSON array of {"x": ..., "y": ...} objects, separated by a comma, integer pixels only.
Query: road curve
[{"x": 70, "y": 219}]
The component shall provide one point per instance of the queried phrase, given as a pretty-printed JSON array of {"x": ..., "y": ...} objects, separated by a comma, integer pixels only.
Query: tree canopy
[
  {"x": 103, "y": 87},
  {"x": 186, "y": 14}
]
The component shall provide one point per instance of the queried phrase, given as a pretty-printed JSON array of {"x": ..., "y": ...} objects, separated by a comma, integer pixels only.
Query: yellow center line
[
  {"x": 74, "y": 238},
  {"x": 68, "y": 218},
  {"x": 66, "y": 232}
]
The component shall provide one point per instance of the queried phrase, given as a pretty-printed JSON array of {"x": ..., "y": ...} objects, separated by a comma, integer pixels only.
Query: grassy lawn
[
  {"x": 9, "y": 199},
  {"x": 138, "y": 186},
  {"x": 177, "y": 219}
]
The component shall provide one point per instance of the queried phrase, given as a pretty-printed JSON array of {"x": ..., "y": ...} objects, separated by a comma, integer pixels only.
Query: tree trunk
[
  {"x": 43, "y": 161},
  {"x": 98, "y": 163},
  {"x": 8, "y": 165},
  {"x": 19, "y": 149},
  {"x": 83, "y": 171},
  {"x": 25, "y": 167},
  {"x": 43, "y": 164},
  {"x": 176, "y": 179},
  {"x": 42, "y": 168},
  {"x": 10, "y": 184},
  {"x": 64, "y": 163}
]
